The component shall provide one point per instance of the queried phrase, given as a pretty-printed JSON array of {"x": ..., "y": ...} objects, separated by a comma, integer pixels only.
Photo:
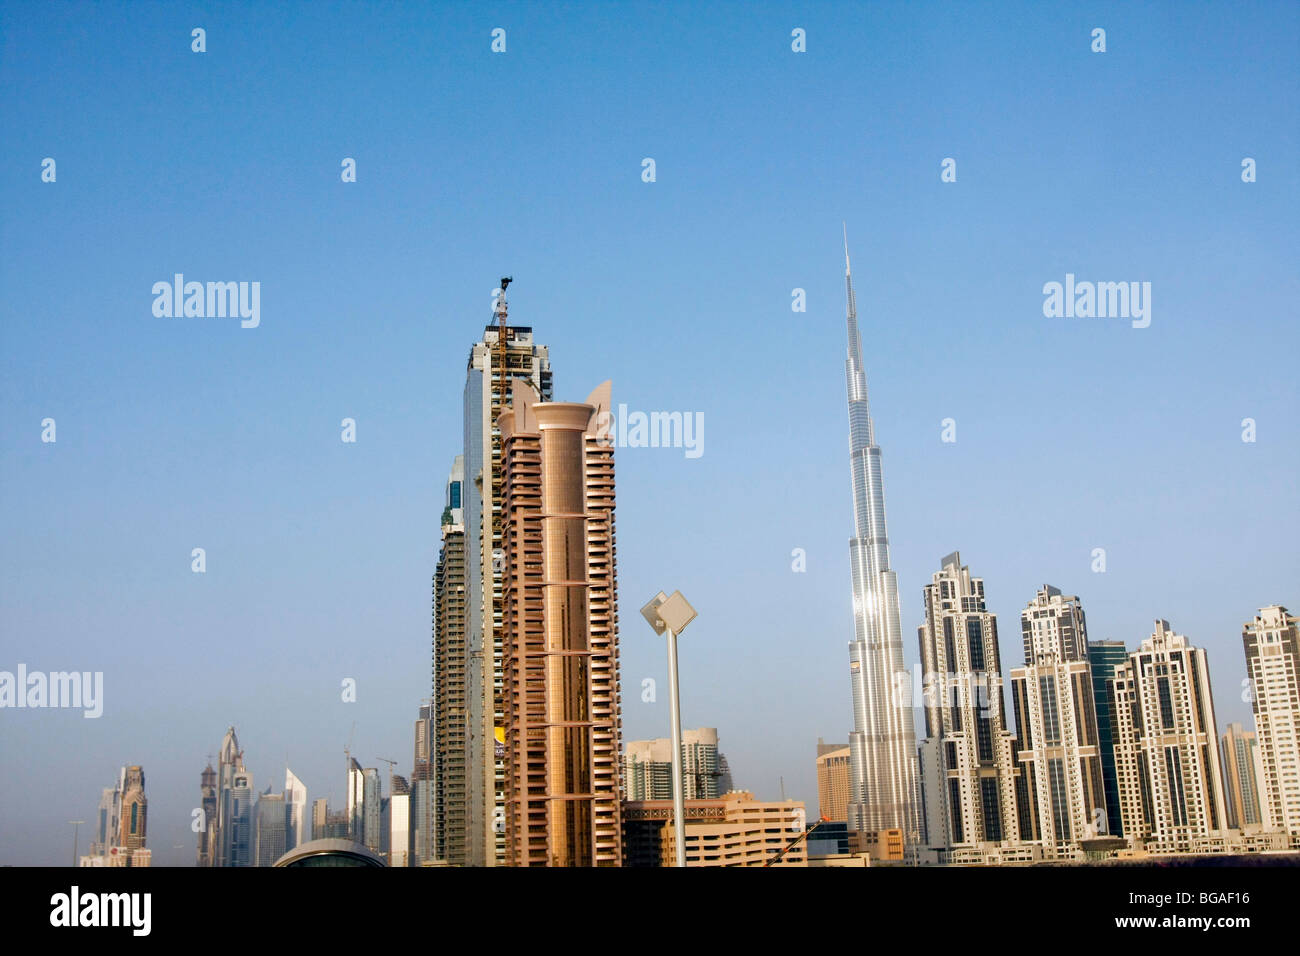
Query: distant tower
[
  {"x": 356, "y": 805},
  {"x": 134, "y": 809},
  {"x": 234, "y": 836},
  {"x": 107, "y": 825},
  {"x": 373, "y": 831},
  {"x": 884, "y": 789},
  {"x": 1242, "y": 771},
  {"x": 444, "y": 771},
  {"x": 272, "y": 825},
  {"x": 560, "y": 632},
  {"x": 208, "y": 804},
  {"x": 1272, "y": 645},
  {"x": 426, "y": 821},
  {"x": 399, "y": 814},
  {"x": 295, "y": 800},
  {"x": 648, "y": 767}
]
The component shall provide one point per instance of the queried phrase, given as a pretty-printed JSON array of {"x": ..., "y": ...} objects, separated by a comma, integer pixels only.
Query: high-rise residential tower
[
  {"x": 1242, "y": 771},
  {"x": 135, "y": 807},
  {"x": 648, "y": 766},
  {"x": 426, "y": 824},
  {"x": 884, "y": 786},
  {"x": 1058, "y": 749},
  {"x": 1167, "y": 747},
  {"x": 447, "y": 774},
  {"x": 1103, "y": 658},
  {"x": 206, "y": 853},
  {"x": 560, "y": 631},
  {"x": 107, "y": 822},
  {"x": 833, "y": 781},
  {"x": 1272, "y": 644},
  {"x": 973, "y": 805},
  {"x": 506, "y": 354}
]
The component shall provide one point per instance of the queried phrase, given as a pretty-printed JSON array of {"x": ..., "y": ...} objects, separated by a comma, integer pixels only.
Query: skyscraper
[
  {"x": 426, "y": 821},
  {"x": 1103, "y": 658},
  {"x": 134, "y": 810},
  {"x": 494, "y": 363},
  {"x": 399, "y": 821},
  {"x": 974, "y": 802},
  {"x": 1059, "y": 750},
  {"x": 233, "y": 842},
  {"x": 356, "y": 805},
  {"x": 451, "y": 713},
  {"x": 1272, "y": 644},
  {"x": 107, "y": 822},
  {"x": 648, "y": 766},
  {"x": 884, "y": 790},
  {"x": 1242, "y": 771},
  {"x": 272, "y": 818},
  {"x": 560, "y": 630},
  {"x": 206, "y": 853},
  {"x": 319, "y": 818},
  {"x": 373, "y": 832},
  {"x": 295, "y": 800},
  {"x": 833, "y": 780},
  {"x": 1167, "y": 747}
]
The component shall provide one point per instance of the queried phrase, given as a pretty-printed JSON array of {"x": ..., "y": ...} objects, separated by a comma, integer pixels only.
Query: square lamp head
[
  {"x": 651, "y": 612},
  {"x": 672, "y": 613}
]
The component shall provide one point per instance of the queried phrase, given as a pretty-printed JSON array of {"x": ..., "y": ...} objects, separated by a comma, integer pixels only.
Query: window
[
  {"x": 1060, "y": 803},
  {"x": 1051, "y": 719},
  {"x": 975, "y": 643},
  {"x": 992, "y": 809},
  {"x": 1166, "y": 703}
]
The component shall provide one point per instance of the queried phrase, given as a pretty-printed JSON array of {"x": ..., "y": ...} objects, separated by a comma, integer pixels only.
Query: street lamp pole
[
  {"x": 679, "y": 781},
  {"x": 670, "y": 615}
]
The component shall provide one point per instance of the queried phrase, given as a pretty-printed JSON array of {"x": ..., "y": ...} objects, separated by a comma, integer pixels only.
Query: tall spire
[{"x": 883, "y": 775}]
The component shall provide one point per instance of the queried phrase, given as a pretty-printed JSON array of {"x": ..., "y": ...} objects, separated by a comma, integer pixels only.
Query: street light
[{"x": 671, "y": 615}]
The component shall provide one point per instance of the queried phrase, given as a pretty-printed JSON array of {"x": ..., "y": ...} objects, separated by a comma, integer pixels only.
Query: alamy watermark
[
  {"x": 653, "y": 430},
  {"x": 82, "y": 689},
  {"x": 130, "y": 910},
  {"x": 1102, "y": 300},
  {"x": 213, "y": 300}
]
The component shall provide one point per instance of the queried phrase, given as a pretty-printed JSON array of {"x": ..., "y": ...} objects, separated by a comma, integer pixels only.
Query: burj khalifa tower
[{"x": 883, "y": 773}]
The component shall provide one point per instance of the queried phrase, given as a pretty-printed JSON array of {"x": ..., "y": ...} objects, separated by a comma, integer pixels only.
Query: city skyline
[{"x": 184, "y": 433}]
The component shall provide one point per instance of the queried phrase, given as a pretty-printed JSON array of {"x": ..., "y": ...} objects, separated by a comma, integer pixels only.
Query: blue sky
[{"x": 178, "y": 433}]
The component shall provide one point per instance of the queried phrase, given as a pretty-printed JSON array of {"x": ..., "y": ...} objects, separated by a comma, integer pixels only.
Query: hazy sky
[{"x": 179, "y": 433}]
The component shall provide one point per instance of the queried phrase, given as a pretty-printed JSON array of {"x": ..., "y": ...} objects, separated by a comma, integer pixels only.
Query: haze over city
[{"x": 1071, "y": 434}]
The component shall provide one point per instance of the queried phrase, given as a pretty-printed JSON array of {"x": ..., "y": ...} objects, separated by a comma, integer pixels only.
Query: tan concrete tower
[
  {"x": 560, "y": 632},
  {"x": 135, "y": 808}
]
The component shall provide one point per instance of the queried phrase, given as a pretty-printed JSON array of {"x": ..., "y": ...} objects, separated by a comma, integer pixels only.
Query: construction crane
[
  {"x": 347, "y": 747},
  {"x": 391, "y": 765},
  {"x": 502, "y": 349},
  {"x": 795, "y": 842}
]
